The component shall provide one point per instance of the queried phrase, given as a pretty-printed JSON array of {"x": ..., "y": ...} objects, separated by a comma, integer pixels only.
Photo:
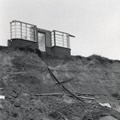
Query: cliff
[{"x": 25, "y": 79}]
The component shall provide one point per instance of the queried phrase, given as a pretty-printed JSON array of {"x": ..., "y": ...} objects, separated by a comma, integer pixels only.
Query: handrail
[
  {"x": 64, "y": 33},
  {"x": 21, "y": 22}
]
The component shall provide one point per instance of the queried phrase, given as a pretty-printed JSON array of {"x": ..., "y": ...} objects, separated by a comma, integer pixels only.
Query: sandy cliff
[{"x": 24, "y": 74}]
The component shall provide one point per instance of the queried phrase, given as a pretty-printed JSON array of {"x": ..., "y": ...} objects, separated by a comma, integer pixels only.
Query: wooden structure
[{"x": 28, "y": 35}]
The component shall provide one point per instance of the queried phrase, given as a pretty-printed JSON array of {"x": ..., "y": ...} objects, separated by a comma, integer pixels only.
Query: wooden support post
[
  {"x": 21, "y": 29},
  {"x": 11, "y": 30},
  {"x": 63, "y": 39},
  {"x": 36, "y": 34},
  {"x": 54, "y": 39},
  {"x": 15, "y": 29},
  {"x": 26, "y": 32}
]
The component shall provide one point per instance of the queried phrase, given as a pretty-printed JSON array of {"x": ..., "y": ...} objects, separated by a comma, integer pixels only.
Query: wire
[{"x": 69, "y": 92}]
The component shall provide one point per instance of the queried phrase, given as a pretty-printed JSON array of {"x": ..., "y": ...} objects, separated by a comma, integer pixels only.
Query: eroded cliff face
[
  {"x": 24, "y": 74},
  {"x": 93, "y": 76}
]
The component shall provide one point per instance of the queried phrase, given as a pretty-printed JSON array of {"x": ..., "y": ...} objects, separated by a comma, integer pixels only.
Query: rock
[{"x": 108, "y": 118}]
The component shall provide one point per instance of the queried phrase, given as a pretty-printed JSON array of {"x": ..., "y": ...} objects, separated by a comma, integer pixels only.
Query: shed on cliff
[{"x": 54, "y": 42}]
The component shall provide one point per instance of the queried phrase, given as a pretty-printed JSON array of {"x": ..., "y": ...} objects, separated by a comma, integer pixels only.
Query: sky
[{"x": 94, "y": 23}]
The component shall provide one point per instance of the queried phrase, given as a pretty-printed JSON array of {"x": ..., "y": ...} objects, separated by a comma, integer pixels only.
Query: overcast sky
[{"x": 95, "y": 23}]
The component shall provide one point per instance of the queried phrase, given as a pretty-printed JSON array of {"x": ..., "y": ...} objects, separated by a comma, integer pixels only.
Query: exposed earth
[{"x": 31, "y": 93}]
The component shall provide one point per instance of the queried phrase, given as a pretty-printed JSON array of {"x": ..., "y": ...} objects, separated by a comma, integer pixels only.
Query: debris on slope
[
  {"x": 91, "y": 73},
  {"x": 30, "y": 107},
  {"x": 108, "y": 118},
  {"x": 24, "y": 76}
]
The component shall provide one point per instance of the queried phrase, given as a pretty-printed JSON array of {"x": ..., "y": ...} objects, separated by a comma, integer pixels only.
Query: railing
[
  {"x": 61, "y": 39},
  {"x": 23, "y": 30},
  {"x": 26, "y": 31}
]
